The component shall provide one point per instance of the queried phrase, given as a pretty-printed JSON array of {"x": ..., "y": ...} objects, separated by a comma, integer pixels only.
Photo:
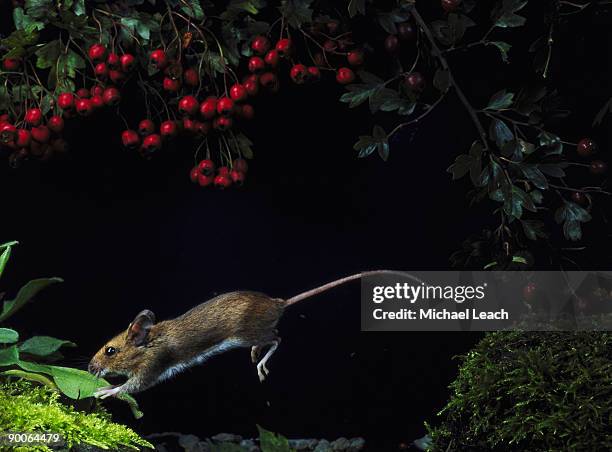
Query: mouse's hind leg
[{"x": 262, "y": 369}]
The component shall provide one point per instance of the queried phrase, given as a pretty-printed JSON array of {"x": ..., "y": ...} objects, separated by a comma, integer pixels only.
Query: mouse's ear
[{"x": 139, "y": 329}]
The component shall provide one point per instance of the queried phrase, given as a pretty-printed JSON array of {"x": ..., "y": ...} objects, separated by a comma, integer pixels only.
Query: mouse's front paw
[{"x": 108, "y": 391}]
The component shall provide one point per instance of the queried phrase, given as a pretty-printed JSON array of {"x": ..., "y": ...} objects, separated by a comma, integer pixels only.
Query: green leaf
[
  {"x": 503, "y": 47},
  {"x": 39, "y": 9},
  {"x": 536, "y": 176},
  {"x": 18, "y": 41},
  {"x": 38, "y": 378},
  {"x": 552, "y": 142},
  {"x": 25, "y": 294},
  {"x": 272, "y": 442},
  {"x": 519, "y": 259},
  {"x": 572, "y": 215},
  {"x": 383, "y": 96},
  {"x": 368, "y": 144},
  {"x": 357, "y": 94},
  {"x": 9, "y": 356},
  {"x": 4, "y": 258},
  {"x": 533, "y": 229},
  {"x": 296, "y": 12},
  {"x": 506, "y": 18},
  {"x": 194, "y": 9},
  {"x": 500, "y": 132},
  {"x": 8, "y": 336},
  {"x": 500, "y": 100},
  {"x": 43, "y": 345},
  {"x": 356, "y": 7},
  {"x": 244, "y": 145},
  {"x": 48, "y": 55}
]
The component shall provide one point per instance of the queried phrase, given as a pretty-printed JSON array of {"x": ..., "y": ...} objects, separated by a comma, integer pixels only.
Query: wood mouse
[{"x": 149, "y": 352}]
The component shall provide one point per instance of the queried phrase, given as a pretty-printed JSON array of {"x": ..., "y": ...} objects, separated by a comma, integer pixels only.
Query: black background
[{"x": 128, "y": 234}]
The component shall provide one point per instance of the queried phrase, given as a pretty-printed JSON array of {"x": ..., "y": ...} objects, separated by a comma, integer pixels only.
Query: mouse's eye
[{"x": 110, "y": 351}]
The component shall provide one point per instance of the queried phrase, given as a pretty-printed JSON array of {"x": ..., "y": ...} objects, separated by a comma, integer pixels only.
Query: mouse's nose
[{"x": 92, "y": 368}]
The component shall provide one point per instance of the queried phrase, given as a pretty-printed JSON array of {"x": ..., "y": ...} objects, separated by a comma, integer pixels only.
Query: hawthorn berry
[
  {"x": 97, "y": 101},
  {"x": 189, "y": 125},
  {"x": 345, "y": 76},
  {"x": 146, "y": 127},
  {"x": 41, "y": 134},
  {"x": 269, "y": 80},
  {"x": 130, "y": 139},
  {"x": 251, "y": 85},
  {"x": 101, "y": 70},
  {"x": 415, "y": 82},
  {"x": 56, "y": 124},
  {"x": 11, "y": 64},
  {"x": 151, "y": 143},
  {"x": 284, "y": 47},
  {"x": 299, "y": 73},
  {"x": 355, "y": 57},
  {"x": 391, "y": 43},
  {"x": 330, "y": 46},
  {"x": 238, "y": 92},
  {"x": 223, "y": 181},
  {"x": 116, "y": 76},
  {"x": 83, "y": 93},
  {"x": 113, "y": 59},
  {"x": 33, "y": 116},
  {"x": 65, "y": 101},
  {"x": 159, "y": 59},
  {"x": 202, "y": 128},
  {"x": 237, "y": 177},
  {"x": 168, "y": 129},
  {"x": 111, "y": 96},
  {"x": 206, "y": 167},
  {"x": 225, "y": 106},
  {"x": 314, "y": 73},
  {"x": 127, "y": 62},
  {"x": 260, "y": 45},
  {"x": 246, "y": 111},
  {"x": 406, "y": 31},
  {"x": 83, "y": 107},
  {"x": 256, "y": 64},
  {"x": 23, "y": 138},
  {"x": 188, "y": 105},
  {"x": 450, "y": 5},
  {"x": 272, "y": 58},
  {"x": 97, "y": 52},
  {"x": 240, "y": 165},
  {"x": 222, "y": 123},
  {"x": 205, "y": 181},
  {"x": 208, "y": 109},
  {"x": 7, "y": 132},
  {"x": 171, "y": 85},
  {"x": 586, "y": 147},
  {"x": 598, "y": 167},
  {"x": 97, "y": 90},
  {"x": 191, "y": 77},
  {"x": 193, "y": 174}
]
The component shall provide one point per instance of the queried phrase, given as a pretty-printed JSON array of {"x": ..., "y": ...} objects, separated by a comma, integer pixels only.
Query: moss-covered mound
[
  {"x": 518, "y": 391},
  {"x": 25, "y": 407}
]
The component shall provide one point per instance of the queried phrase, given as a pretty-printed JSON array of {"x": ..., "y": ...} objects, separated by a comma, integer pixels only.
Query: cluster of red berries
[
  {"x": 206, "y": 173},
  {"x": 587, "y": 148}
]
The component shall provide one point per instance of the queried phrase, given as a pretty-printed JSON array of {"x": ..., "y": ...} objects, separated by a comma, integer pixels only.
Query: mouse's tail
[{"x": 339, "y": 282}]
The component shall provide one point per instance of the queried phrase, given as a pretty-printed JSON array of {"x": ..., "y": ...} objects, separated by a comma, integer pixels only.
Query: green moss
[
  {"x": 25, "y": 407},
  {"x": 519, "y": 391}
]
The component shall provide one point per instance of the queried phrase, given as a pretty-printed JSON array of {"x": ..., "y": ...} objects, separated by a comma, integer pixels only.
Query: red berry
[
  {"x": 11, "y": 64},
  {"x": 272, "y": 58},
  {"x": 205, "y": 180},
  {"x": 188, "y": 105},
  {"x": 151, "y": 143},
  {"x": 586, "y": 147},
  {"x": 158, "y": 59},
  {"x": 251, "y": 85},
  {"x": 284, "y": 47},
  {"x": 83, "y": 93},
  {"x": 240, "y": 165},
  {"x": 269, "y": 80},
  {"x": 237, "y": 177},
  {"x": 260, "y": 45},
  {"x": 41, "y": 134},
  {"x": 225, "y": 106},
  {"x": 168, "y": 129},
  {"x": 202, "y": 128},
  {"x": 256, "y": 64},
  {"x": 222, "y": 123},
  {"x": 113, "y": 59},
  {"x": 579, "y": 198},
  {"x": 450, "y": 5},
  {"x": 345, "y": 76},
  {"x": 23, "y": 138},
  {"x": 193, "y": 174},
  {"x": 130, "y": 139},
  {"x": 246, "y": 111},
  {"x": 414, "y": 82},
  {"x": 116, "y": 76},
  {"x": 146, "y": 127},
  {"x": 56, "y": 124},
  {"x": 191, "y": 77},
  {"x": 299, "y": 73},
  {"x": 65, "y": 101},
  {"x": 314, "y": 73},
  {"x": 83, "y": 107},
  {"x": 355, "y": 58},
  {"x": 101, "y": 70},
  {"x": 598, "y": 167},
  {"x": 33, "y": 116},
  {"x": 189, "y": 125},
  {"x": 171, "y": 85},
  {"x": 391, "y": 43},
  {"x": 127, "y": 62},
  {"x": 97, "y": 90},
  {"x": 238, "y": 92},
  {"x": 111, "y": 96},
  {"x": 206, "y": 167},
  {"x": 97, "y": 52},
  {"x": 223, "y": 170},
  {"x": 406, "y": 31},
  {"x": 97, "y": 102},
  {"x": 529, "y": 291},
  {"x": 208, "y": 109},
  {"x": 8, "y": 132},
  {"x": 330, "y": 46},
  {"x": 223, "y": 181}
]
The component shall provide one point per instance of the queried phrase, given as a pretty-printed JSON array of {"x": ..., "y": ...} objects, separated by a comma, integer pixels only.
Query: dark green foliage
[{"x": 522, "y": 391}]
